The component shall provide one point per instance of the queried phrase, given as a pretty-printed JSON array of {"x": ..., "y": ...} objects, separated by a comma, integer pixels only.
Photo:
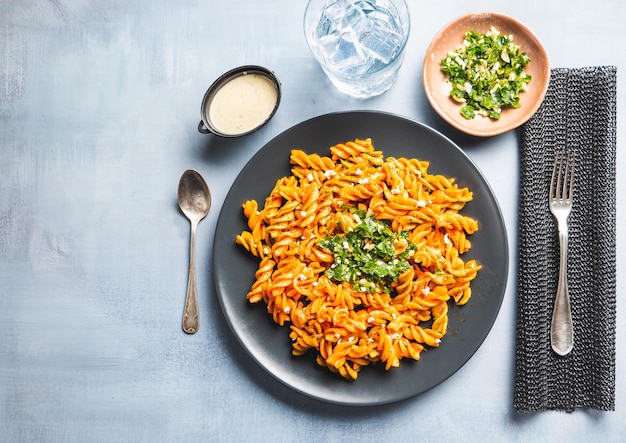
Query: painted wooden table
[{"x": 99, "y": 107}]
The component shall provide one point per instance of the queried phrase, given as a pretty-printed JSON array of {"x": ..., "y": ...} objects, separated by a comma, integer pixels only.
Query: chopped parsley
[
  {"x": 486, "y": 73},
  {"x": 366, "y": 257}
]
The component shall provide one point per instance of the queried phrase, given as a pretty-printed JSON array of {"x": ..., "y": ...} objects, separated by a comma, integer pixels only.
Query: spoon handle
[{"x": 190, "y": 315}]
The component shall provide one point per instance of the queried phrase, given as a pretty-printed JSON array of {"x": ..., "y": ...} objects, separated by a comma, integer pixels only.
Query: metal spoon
[{"x": 194, "y": 199}]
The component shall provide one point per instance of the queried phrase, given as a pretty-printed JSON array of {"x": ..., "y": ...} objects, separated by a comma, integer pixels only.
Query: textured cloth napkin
[{"x": 579, "y": 114}]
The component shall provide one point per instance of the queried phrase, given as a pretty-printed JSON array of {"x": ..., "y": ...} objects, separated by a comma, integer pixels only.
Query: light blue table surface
[{"x": 99, "y": 104}]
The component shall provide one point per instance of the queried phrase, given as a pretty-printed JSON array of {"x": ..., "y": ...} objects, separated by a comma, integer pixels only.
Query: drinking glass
[{"x": 358, "y": 43}]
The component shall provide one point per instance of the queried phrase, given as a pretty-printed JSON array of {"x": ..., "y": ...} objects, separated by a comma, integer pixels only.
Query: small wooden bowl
[{"x": 437, "y": 86}]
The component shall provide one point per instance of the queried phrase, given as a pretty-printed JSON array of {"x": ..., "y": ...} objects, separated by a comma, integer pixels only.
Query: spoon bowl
[{"x": 194, "y": 200}]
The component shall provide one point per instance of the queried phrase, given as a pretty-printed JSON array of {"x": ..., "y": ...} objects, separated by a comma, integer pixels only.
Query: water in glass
[{"x": 359, "y": 44}]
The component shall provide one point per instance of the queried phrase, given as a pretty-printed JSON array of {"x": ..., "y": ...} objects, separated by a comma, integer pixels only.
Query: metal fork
[{"x": 561, "y": 190}]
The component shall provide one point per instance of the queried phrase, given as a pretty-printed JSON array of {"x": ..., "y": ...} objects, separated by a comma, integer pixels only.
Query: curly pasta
[{"x": 349, "y": 328}]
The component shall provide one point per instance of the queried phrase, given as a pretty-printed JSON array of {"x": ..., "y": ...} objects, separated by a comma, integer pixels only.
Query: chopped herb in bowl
[{"x": 486, "y": 73}]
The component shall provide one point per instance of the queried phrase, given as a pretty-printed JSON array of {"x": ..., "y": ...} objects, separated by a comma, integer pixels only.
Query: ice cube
[
  {"x": 342, "y": 55},
  {"x": 359, "y": 24},
  {"x": 342, "y": 13},
  {"x": 324, "y": 27},
  {"x": 336, "y": 18},
  {"x": 365, "y": 6},
  {"x": 386, "y": 13},
  {"x": 380, "y": 42}
]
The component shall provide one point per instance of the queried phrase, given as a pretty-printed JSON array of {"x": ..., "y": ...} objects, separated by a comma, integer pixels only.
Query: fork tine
[
  {"x": 553, "y": 180},
  {"x": 570, "y": 167},
  {"x": 560, "y": 186},
  {"x": 565, "y": 168},
  {"x": 556, "y": 181}
]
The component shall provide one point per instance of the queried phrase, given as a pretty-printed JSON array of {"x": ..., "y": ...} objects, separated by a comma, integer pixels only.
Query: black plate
[{"x": 269, "y": 344}]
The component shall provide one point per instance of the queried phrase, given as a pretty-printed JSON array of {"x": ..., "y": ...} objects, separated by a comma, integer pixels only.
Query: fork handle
[{"x": 561, "y": 330}]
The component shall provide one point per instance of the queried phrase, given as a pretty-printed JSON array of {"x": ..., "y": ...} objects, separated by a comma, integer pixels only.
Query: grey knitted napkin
[{"x": 578, "y": 113}]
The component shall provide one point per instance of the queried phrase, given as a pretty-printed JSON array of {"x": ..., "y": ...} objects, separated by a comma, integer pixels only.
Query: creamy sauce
[{"x": 242, "y": 104}]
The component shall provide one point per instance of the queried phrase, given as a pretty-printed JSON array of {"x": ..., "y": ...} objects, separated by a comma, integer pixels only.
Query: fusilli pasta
[{"x": 323, "y": 197}]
